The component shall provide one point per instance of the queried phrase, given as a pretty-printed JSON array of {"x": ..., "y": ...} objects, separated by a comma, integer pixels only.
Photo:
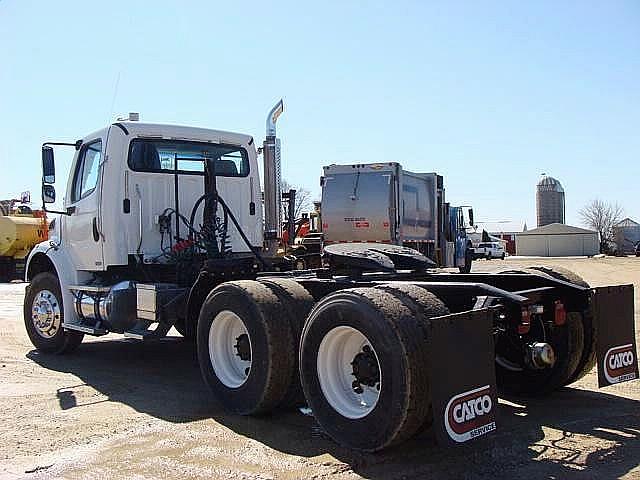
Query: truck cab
[{"x": 134, "y": 198}]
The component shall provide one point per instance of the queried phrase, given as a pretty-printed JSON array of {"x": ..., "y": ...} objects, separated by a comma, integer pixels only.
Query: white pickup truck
[{"x": 489, "y": 250}]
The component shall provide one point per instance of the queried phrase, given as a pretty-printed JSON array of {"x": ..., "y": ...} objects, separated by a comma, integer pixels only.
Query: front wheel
[{"x": 44, "y": 316}]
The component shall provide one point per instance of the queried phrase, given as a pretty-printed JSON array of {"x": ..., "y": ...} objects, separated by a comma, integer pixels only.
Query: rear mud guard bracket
[
  {"x": 462, "y": 374},
  {"x": 616, "y": 342}
]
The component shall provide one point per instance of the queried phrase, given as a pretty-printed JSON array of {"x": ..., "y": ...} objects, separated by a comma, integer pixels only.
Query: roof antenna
[{"x": 113, "y": 99}]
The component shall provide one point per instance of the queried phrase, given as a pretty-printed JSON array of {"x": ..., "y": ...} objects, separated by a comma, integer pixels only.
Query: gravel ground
[{"x": 128, "y": 410}]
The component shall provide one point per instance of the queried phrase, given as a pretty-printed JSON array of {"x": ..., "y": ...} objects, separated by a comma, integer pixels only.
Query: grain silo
[
  {"x": 549, "y": 201},
  {"x": 627, "y": 235}
]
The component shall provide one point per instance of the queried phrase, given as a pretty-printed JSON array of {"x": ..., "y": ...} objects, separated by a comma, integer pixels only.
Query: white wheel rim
[
  {"x": 45, "y": 314},
  {"x": 337, "y": 351},
  {"x": 224, "y": 337}
]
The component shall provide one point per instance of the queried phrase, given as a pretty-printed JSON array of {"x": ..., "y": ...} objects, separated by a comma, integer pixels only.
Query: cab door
[{"x": 82, "y": 235}]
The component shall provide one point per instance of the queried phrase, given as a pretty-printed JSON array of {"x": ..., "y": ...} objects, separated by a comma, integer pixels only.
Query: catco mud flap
[
  {"x": 462, "y": 373},
  {"x": 616, "y": 340}
]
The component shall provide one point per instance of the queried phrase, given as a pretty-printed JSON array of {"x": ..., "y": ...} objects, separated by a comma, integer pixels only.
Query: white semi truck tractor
[{"x": 163, "y": 226}]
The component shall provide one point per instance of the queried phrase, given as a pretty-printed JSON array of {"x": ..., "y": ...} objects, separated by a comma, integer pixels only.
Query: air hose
[{"x": 227, "y": 214}]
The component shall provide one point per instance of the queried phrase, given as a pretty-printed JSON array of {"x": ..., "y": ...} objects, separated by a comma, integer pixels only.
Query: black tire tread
[
  {"x": 424, "y": 305},
  {"x": 269, "y": 311},
  {"x": 298, "y": 302},
  {"x": 406, "y": 419}
]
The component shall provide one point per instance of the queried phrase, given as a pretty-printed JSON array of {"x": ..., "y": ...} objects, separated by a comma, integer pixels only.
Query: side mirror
[
  {"x": 48, "y": 166},
  {"x": 48, "y": 193},
  {"x": 471, "y": 217}
]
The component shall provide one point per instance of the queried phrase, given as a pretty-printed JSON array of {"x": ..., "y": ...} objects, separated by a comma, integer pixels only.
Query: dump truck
[
  {"x": 385, "y": 203},
  {"x": 163, "y": 226},
  {"x": 21, "y": 228}
]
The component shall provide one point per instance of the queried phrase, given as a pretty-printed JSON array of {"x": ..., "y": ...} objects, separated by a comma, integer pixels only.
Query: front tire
[
  {"x": 363, "y": 366},
  {"x": 44, "y": 316}
]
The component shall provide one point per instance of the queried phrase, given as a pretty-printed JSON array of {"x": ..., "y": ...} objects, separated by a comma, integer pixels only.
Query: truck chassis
[{"x": 380, "y": 347}]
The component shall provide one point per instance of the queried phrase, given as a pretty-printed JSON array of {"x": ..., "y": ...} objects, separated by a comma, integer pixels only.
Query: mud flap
[
  {"x": 616, "y": 340},
  {"x": 462, "y": 375}
]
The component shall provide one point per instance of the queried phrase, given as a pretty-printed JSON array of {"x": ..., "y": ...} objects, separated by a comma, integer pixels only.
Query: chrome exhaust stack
[{"x": 272, "y": 179}]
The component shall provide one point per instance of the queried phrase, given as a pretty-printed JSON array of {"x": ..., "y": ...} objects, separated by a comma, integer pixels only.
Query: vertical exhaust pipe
[{"x": 272, "y": 193}]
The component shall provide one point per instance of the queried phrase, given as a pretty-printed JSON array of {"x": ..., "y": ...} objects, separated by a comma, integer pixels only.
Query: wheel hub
[
  {"x": 45, "y": 313},
  {"x": 541, "y": 355},
  {"x": 230, "y": 349},
  {"x": 365, "y": 370},
  {"x": 243, "y": 347},
  {"x": 349, "y": 372}
]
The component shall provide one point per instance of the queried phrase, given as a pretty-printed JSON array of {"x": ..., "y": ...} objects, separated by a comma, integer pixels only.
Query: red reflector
[
  {"x": 560, "y": 316},
  {"x": 525, "y": 322}
]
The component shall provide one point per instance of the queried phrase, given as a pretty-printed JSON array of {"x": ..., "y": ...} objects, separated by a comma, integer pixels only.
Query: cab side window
[{"x": 86, "y": 175}]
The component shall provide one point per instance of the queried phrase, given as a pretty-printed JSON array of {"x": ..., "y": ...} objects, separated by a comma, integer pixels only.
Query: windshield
[{"x": 170, "y": 156}]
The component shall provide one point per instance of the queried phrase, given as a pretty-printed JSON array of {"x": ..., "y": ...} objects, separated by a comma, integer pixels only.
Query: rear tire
[
  {"x": 44, "y": 316},
  {"x": 424, "y": 305},
  {"x": 244, "y": 347},
  {"x": 386, "y": 333},
  {"x": 588, "y": 358},
  {"x": 298, "y": 302},
  {"x": 567, "y": 340}
]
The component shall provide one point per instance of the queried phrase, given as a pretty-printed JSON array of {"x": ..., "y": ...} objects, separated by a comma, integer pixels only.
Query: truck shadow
[{"x": 539, "y": 438}]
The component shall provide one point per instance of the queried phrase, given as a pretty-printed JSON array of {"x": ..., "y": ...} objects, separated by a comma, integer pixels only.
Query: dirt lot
[{"x": 122, "y": 409}]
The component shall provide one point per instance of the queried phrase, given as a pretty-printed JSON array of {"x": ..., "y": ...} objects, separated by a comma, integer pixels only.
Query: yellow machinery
[{"x": 20, "y": 231}]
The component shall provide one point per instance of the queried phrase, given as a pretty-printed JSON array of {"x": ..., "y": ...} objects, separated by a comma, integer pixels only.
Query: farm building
[
  {"x": 557, "y": 240},
  {"x": 627, "y": 235}
]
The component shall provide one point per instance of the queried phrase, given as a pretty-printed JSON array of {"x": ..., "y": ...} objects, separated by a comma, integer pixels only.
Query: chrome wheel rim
[
  {"x": 337, "y": 357},
  {"x": 230, "y": 349},
  {"x": 46, "y": 314}
]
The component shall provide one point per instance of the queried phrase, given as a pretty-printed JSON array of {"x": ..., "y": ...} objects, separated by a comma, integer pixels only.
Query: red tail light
[
  {"x": 560, "y": 316},
  {"x": 525, "y": 322}
]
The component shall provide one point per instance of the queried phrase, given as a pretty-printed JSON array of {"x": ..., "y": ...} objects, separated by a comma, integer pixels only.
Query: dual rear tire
[
  {"x": 247, "y": 341},
  {"x": 363, "y": 364},
  {"x": 574, "y": 344},
  {"x": 362, "y": 354}
]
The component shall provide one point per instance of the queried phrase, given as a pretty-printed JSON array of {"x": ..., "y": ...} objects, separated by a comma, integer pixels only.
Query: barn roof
[
  {"x": 627, "y": 222},
  {"x": 558, "y": 229}
]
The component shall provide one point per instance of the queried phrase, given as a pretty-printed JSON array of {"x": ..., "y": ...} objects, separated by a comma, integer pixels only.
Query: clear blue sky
[{"x": 489, "y": 94}]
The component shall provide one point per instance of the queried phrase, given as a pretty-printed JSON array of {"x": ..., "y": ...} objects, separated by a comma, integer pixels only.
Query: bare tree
[
  {"x": 303, "y": 199},
  {"x": 602, "y": 217}
]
